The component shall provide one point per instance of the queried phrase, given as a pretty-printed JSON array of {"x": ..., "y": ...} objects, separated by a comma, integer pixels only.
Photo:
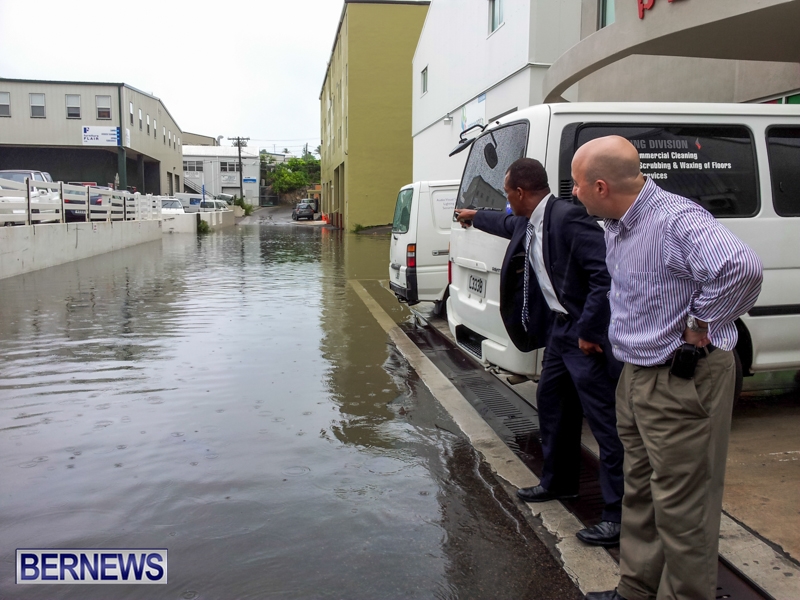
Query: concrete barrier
[
  {"x": 219, "y": 219},
  {"x": 30, "y": 248},
  {"x": 186, "y": 223}
]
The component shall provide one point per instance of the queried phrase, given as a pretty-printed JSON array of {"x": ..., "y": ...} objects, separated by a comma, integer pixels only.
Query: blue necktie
[{"x": 527, "y": 278}]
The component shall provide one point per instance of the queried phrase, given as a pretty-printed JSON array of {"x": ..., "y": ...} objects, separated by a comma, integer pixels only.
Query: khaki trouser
[{"x": 675, "y": 434}]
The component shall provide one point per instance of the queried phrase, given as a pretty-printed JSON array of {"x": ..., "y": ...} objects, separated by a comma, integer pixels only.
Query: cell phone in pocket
[{"x": 684, "y": 361}]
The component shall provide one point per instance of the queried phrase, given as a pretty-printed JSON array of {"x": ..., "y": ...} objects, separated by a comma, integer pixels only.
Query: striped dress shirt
[{"x": 668, "y": 258}]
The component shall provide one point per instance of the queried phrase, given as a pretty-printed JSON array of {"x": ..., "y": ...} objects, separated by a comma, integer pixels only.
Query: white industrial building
[
  {"x": 479, "y": 60},
  {"x": 217, "y": 167}
]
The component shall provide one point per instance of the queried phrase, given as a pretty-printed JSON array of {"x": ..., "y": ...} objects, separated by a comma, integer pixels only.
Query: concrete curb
[{"x": 591, "y": 568}]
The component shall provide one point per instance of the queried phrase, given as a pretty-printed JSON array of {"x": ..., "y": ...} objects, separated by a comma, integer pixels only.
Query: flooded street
[{"x": 230, "y": 398}]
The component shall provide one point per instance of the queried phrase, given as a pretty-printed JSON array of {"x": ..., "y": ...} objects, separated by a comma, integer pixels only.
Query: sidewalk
[{"x": 591, "y": 568}]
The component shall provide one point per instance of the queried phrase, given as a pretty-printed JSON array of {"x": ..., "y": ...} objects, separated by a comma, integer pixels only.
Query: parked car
[
  {"x": 37, "y": 194},
  {"x": 739, "y": 161},
  {"x": 172, "y": 206},
  {"x": 303, "y": 211},
  {"x": 74, "y": 197},
  {"x": 212, "y": 205},
  {"x": 420, "y": 245},
  {"x": 19, "y": 175}
]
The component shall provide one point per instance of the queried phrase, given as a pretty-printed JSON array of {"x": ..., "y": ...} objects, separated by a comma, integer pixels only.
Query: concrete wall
[
  {"x": 218, "y": 219},
  {"x": 26, "y": 249},
  {"x": 186, "y": 223}
]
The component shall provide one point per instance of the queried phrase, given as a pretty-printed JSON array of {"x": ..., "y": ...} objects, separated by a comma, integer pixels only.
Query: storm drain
[{"x": 517, "y": 423}]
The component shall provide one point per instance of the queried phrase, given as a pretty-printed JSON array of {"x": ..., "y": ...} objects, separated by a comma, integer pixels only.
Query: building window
[
  {"x": 193, "y": 166},
  {"x": 164, "y": 132},
  {"x": 169, "y": 139},
  {"x": 179, "y": 141},
  {"x": 606, "y": 12},
  {"x": 495, "y": 14},
  {"x": 148, "y": 125},
  {"x": 5, "y": 104},
  {"x": 73, "y": 106},
  {"x": 229, "y": 167},
  {"x": 425, "y": 80},
  {"x": 103, "y": 106},
  {"x": 131, "y": 105},
  {"x": 140, "y": 119},
  {"x": 37, "y": 106},
  {"x": 155, "y": 129}
]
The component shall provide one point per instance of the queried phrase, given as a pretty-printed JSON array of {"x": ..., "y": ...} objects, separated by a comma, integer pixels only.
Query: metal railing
[{"x": 35, "y": 202}]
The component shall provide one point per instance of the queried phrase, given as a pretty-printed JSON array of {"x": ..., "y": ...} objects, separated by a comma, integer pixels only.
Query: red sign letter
[{"x": 645, "y": 5}]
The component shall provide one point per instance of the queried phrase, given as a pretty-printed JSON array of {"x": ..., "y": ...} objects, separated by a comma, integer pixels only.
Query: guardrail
[{"x": 35, "y": 202}]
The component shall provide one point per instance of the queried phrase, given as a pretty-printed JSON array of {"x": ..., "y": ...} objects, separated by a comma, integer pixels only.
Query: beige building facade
[
  {"x": 90, "y": 132},
  {"x": 365, "y": 105},
  {"x": 681, "y": 51}
]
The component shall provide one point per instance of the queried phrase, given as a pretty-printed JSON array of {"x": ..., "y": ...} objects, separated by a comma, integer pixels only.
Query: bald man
[{"x": 679, "y": 280}]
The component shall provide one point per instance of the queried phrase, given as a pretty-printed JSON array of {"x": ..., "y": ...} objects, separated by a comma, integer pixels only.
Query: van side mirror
[{"x": 490, "y": 155}]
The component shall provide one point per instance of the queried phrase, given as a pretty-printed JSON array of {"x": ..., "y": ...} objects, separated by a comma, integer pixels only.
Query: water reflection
[{"x": 229, "y": 398}]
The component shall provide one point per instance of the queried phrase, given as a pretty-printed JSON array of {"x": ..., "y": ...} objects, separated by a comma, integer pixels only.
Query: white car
[
  {"x": 170, "y": 206},
  {"x": 213, "y": 205}
]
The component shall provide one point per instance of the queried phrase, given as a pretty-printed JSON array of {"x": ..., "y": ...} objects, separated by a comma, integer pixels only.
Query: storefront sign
[
  {"x": 101, "y": 136},
  {"x": 647, "y": 5}
]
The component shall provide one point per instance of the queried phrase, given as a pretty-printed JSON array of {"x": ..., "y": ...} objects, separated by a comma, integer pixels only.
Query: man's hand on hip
[
  {"x": 589, "y": 347},
  {"x": 464, "y": 216},
  {"x": 696, "y": 338}
]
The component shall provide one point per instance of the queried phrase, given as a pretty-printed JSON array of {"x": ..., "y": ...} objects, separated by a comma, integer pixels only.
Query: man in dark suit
[{"x": 554, "y": 292}]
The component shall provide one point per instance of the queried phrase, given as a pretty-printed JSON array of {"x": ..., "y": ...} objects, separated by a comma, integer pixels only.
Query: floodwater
[{"x": 230, "y": 398}]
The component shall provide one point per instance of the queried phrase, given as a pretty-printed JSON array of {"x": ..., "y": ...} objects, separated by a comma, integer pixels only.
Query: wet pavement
[{"x": 229, "y": 397}]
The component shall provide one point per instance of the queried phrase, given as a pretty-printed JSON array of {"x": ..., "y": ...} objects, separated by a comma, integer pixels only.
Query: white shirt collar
[{"x": 537, "y": 217}]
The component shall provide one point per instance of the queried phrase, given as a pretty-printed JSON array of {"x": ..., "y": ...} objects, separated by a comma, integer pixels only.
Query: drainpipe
[{"x": 122, "y": 161}]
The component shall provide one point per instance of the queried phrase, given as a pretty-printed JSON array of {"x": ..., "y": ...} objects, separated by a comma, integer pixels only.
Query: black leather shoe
[
  {"x": 605, "y": 533},
  {"x": 612, "y": 595},
  {"x": 538, "y": 494}
]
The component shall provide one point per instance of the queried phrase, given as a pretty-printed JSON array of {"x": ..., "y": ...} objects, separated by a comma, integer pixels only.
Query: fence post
[
  {"x": 61, "y": 196},
  {"x": 124, "y": 209},
  {"x": 28, "y": 199}
]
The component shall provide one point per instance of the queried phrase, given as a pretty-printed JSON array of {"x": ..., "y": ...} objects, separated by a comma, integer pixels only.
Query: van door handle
[
  {"x": 395, "y": 266},
  {"x": 395, "y": 237},
  {"x": 440, "y": 252}
]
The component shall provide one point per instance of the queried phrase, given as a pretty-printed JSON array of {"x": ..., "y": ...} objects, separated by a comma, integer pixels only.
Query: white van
[
  {"x": 739, "y": 161},
  {"x": 420, "y": 237}
]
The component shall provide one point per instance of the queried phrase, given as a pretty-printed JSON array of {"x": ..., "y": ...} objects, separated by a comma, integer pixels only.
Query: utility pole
[{"x": 238, "y": 141}]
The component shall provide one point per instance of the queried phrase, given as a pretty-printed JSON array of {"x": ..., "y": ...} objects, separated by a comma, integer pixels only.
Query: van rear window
[
  {"x": 713, "y": 165},
  {"x": 491, "y": 155},
  {"x": 402, "y": 211},
  {"x": 784, "y": 166}
]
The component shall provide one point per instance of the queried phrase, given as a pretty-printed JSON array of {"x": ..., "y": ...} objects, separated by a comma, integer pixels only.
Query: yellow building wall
[
  {"x": 381, "y": 45},
  {"x": 365, "y": 109}
]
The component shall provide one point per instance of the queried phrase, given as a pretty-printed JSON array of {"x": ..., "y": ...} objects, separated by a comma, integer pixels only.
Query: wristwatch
[{"x": 695, "y": 326}]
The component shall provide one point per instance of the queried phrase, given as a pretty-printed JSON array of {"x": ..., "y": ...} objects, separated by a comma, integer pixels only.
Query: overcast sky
[{"x": 236, "y": 67}]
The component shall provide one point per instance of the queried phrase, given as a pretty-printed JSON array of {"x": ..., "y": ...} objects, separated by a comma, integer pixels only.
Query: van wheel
[{"x": 737, "y": 386}]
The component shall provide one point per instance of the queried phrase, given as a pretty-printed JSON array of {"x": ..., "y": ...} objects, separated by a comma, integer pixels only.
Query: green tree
[{"x": 292, "y": 175}]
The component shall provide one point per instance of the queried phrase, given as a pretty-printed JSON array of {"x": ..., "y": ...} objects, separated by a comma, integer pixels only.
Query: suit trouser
[
  {"x": 573, "y": 385},
  {"x": 675, "y": 432}
]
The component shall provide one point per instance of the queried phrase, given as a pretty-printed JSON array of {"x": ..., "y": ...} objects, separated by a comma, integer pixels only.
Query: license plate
[{"x": 476, "y": 285}]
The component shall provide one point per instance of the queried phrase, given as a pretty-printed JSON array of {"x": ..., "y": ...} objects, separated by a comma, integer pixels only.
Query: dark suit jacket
[{"x": 574, "y": 255}]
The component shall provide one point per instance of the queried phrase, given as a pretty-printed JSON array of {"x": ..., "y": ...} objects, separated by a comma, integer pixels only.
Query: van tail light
[
  {"x": 449, "y": 272},
  {"x": 411, "y": 255}
]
